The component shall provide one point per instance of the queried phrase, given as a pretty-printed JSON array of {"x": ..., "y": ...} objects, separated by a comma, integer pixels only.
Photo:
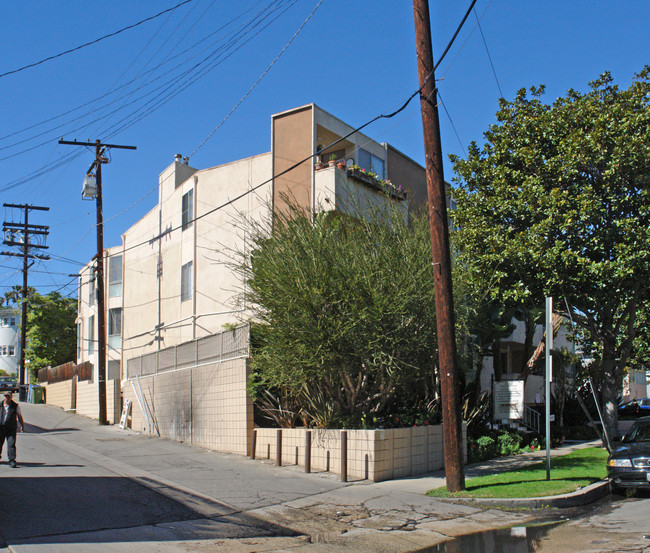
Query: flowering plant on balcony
[{"x": 372, "y": 179}]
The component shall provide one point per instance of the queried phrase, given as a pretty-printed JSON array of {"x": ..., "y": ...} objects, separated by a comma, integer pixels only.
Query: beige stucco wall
[
  {"x": 212, "y": 243},
  {"x": 205, "y": 405},
  {"x": 373, "y": 454},
  {"x": 85, "y": 311}
]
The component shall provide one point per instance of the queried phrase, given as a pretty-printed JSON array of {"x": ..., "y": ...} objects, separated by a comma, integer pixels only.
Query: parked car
[
  {"x": 634, "y": 408},
  {"x": 6, "y": 384},
  {"x": 628, "y": 466}
]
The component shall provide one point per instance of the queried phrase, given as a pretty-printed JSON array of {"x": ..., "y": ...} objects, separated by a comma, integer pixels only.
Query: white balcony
[{"x": 352, "y": 193}]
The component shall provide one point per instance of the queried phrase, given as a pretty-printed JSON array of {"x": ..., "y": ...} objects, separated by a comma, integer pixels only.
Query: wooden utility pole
[
  {"x": 449, "y": 384},
  {"x": 26, "y": 245},
  {"x": 100, "y": 150}
]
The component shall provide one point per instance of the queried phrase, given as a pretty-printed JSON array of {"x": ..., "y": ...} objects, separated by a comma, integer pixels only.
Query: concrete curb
[{"x": 585, "y": 496}]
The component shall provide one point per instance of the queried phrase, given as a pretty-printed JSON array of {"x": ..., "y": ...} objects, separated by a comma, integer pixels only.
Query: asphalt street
[{"x": 82, "y": 487}]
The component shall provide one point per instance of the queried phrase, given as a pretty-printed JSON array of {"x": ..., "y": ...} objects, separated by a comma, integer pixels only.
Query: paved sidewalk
[{"x": 190, "y": 499}]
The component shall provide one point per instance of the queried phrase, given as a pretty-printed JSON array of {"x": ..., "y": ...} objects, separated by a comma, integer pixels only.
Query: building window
[
  {"x": 91, "y": 335},
  {"x": 113, "y": 371},
  {"x": 12, "y": 321},
  {"x": 4, "y": 350},
  {"x": 188, "y": 209},
  {"x": 12, "y": 350},
  {"x": 371, "y": 162},
  {"x": 186, "y": 281},
  {"x": 115, "y": 276},
  {"x": 115, "y": 327},
  {"x": 91, "y": 287}
]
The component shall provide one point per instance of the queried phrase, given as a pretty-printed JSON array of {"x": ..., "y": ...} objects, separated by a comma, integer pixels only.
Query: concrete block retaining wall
[
  {"x": 83, "y": 397},
  {"x": 61, "y": 394},
  {"x": 203, "y": 405},
  {"x": 375, "y": 455}
]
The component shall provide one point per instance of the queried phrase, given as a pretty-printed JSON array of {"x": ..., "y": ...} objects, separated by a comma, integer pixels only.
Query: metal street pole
[
  {"x": 548, "y": 380},
  {"x": 436, "y": 189}
]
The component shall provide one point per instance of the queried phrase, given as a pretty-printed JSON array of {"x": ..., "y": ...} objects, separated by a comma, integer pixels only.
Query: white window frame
[
  {"x": 187, "y": 274},
  {"x": 115, "y": 327},
  {"x": 91, "y": 335},
  {"x": 114, "y": 276},
  {"x": 92, "y": 290},
  {"x": 187, "y": 209}
]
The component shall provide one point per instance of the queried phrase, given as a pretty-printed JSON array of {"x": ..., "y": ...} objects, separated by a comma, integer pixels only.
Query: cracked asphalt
[{"x": 82, "y": 487}]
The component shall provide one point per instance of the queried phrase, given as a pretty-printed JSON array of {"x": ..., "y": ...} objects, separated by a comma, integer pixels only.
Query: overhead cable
[{"x": 93, "y": 41}]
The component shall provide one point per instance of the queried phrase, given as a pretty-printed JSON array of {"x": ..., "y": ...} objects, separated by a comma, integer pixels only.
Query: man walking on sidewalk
[{"x": 10, "y": 416}]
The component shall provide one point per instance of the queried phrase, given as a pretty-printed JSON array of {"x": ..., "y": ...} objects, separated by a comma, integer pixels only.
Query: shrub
[{"x": 509, "y": 443}]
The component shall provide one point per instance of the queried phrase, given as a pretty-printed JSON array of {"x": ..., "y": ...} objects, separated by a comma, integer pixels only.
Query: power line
[
  {"x": 259, "y": 78},
  {"x": 309, "y": 157},
  {"x": 93, "y": 41},
  {"x": 487, "y": 50},
  {"x": 201, "y": 41},
  {"x": 177, "y": 85},
  {"x": 451, "y": 121}
]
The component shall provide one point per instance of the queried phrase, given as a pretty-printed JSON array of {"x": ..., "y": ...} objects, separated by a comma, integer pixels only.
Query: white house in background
[{"x": 9, "y": 340}]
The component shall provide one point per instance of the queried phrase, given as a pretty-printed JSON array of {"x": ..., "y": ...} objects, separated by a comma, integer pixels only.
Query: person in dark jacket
[{"x": 10, "y": 417}]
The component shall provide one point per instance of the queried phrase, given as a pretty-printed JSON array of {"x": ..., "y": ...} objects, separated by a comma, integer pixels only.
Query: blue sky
[{"x": 355, "y": 59}]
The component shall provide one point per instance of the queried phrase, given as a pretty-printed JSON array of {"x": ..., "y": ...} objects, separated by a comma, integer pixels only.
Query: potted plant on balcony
[
  {"x": 319, "y": 164},
  {"x": 332, "y": 161},
  {"x": 341, "y": 165}
]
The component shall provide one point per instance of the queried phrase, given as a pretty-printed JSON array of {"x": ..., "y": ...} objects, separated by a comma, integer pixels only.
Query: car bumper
[{"x": 630, "y": 478}]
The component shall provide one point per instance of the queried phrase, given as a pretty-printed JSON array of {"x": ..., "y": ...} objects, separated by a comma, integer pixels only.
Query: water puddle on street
[{"x": 518, "y": 539}]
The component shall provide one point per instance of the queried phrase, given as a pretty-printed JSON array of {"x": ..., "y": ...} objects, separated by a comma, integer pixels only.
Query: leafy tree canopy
[
  {"x": 556, "y": 203},
  {"x": 51, "y": 333},
  {"x": 347, "y": 317}
]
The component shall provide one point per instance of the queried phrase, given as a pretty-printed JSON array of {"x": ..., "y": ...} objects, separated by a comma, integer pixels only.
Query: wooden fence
[{"x": 67, "y": 371}]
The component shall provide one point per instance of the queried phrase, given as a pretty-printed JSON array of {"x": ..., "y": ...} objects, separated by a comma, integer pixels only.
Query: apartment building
[{"x": 173, "y": 279}]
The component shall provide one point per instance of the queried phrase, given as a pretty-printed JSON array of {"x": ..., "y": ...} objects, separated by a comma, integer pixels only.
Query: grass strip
[{"x": 568, "y": 473}]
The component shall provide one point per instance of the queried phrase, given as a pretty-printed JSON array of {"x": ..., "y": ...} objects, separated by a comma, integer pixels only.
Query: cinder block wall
[
  {"x": 375, "y": 455},
  {"x": 205, "y": 405},
  {"x": 60, "y": 394},
  {"x": 88, "y": 400}
]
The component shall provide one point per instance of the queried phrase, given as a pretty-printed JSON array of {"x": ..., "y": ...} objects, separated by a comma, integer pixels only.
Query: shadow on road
[
  {"x": 33, "y": 465},
  {"x": 115, "y": 509},
  {"x": 33, "y": 429}
]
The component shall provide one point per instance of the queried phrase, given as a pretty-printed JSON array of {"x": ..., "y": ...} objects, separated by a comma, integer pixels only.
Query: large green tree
[
  {"x": 556, "y": 203},
  {"x": 346, "y": 316},
  {"x": 51, "y": 333}
]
